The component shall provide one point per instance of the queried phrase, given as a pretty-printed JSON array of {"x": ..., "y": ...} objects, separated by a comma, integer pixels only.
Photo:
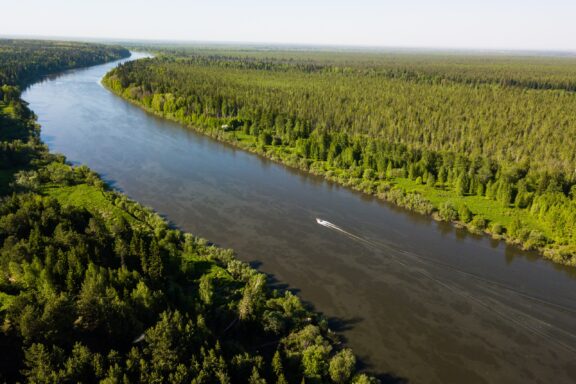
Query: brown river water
[{"x": 417, "y": 300}]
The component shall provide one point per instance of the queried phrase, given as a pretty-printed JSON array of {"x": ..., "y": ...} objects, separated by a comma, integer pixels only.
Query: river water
[{"x": 415, "y": 299}]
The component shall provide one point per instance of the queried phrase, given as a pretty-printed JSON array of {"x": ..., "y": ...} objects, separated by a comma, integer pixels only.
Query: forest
[
  {"x": 95, "y": 287},
  {"x": 486, "y": 142},
  {"x": 25, "y": 61},
  {"x": 21, "y": 63}
]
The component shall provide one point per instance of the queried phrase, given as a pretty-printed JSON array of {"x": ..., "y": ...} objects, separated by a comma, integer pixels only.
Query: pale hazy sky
[{"x": 514, "y": 24}]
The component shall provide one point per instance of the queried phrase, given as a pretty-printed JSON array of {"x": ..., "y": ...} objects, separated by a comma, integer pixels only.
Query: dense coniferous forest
[
  {"x": 24, "y": 61},
  {"x": 96, "y": 288},
  {"x": 484, "y": 141}
]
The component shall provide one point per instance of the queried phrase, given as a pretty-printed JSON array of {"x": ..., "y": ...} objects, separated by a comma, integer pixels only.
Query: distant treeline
[
  {"x": 25, "y": 61},
  {"x": 96, "y": 288},
  {"x": 533, "y": 72},
  {"x": 432, "y": 133}
]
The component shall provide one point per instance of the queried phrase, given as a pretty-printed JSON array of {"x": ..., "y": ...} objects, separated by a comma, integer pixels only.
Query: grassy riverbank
[{"x": 298, "y": 109}]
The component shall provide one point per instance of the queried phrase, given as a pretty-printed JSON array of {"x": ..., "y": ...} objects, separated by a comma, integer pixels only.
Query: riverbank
[{"x": 478, "y": 214}]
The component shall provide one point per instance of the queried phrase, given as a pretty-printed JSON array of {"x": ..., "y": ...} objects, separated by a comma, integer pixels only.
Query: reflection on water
[{"x": 414, "y": 298}]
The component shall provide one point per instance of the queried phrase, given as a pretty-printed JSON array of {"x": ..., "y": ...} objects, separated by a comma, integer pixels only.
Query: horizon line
[{"x": 357, "y": 46}]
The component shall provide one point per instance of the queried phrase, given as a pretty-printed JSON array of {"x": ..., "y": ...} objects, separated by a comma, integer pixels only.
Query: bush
[
  {"x": 317, "y": 168},
  {"x": 383, "y": 187},
  {"x": 355, "y": 171},
  {"x": 369, "y": 174},
  {"x": 265, "y": 138},
  {"x": 514, "y": 228},
  {"x": 478, "y": 222},
  {"x": 447, "y": 211},
  {"x": 342, "y": 366},
  {"x": 497, "y": 228},
  {"x": 464, "y": 213},
  {"x": 367, "y": 186},
  {"x": 536, "y": 239},
  {"x": 364, "y": 379}
]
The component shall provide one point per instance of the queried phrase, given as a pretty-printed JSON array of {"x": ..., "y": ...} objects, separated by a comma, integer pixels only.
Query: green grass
[
  {"x": 479, "y": 205},
  {"x": 203, "y": 266},
  {"x": 240, "y": 136},
  {"x": 89, "y": 197}
]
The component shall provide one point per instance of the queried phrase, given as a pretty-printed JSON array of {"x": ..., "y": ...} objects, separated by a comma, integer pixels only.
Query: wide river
[{"x": 415, "y": 299}]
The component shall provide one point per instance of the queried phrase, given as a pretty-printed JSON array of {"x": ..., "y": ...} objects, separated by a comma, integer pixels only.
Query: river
[{"x": 415, "y": 299}]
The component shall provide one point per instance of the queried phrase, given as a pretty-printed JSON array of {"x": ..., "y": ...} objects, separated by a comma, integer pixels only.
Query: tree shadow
[
  {"x": 363, "y": 364},
  {"x": 390, "y": 378},
  {"x": 274, "y": 284},
  {"x": 337, "y": 325}
]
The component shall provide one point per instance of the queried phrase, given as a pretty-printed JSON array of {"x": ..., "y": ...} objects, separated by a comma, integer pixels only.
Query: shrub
[
  {"x": 447, "y": 211},
  {"x": 536, "y": 239},
  {"x": 497, "y": 228},
  {"x": 464, "y": 213},
  {"x": 478, "y": 222},
  {"x": 369, "y": 174},
  {"x": 342, "y": 366}
]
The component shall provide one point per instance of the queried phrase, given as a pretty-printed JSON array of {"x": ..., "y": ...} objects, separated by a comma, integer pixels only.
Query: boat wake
[
  {"x": 328, "y": 224},
  {"x": 484, "y": 292}
]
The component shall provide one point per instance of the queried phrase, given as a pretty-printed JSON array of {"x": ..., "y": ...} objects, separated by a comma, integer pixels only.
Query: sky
[{"x": 479, "y": 24}]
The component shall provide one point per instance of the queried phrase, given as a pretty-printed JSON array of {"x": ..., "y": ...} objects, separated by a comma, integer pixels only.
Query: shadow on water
[
  {"x": 341, "y": 325},
  {"x": 338, "y": 326},
  {"x": 390, "y": 378},
  {"x": 112, "y": 185},
  {"x": 48, "y": 78},
  {"x": 274, "y": 284}
]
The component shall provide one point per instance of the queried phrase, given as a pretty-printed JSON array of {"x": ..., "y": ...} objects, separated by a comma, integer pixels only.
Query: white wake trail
[
  {"x": 524, "y": 320},
  {"x": 330, "y": 225}
]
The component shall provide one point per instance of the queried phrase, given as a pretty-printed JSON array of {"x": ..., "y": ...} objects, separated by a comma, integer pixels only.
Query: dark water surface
[{"x": 415, "y": 298}]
